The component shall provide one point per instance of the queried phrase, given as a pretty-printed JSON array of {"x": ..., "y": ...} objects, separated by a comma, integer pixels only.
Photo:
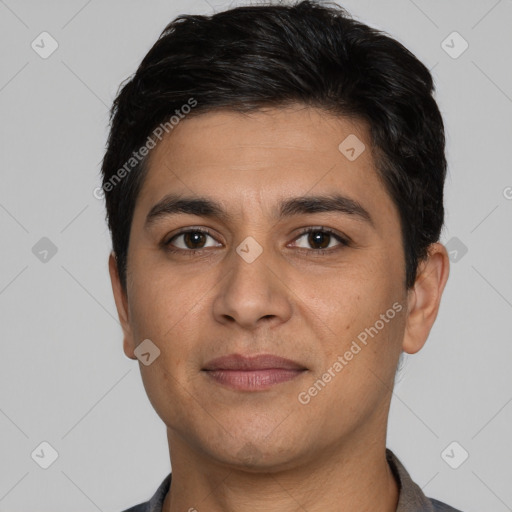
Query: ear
[
  {"x": 425, "y": 297},
  {"x": 122, "y": 307}
]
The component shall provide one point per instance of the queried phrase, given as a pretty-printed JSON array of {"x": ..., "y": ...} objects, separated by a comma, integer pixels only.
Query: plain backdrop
[{"x": 64, "y": 379}]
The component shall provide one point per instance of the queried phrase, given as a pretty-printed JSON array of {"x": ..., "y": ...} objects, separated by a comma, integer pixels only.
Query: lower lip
[{"x": 253, "y": 380}]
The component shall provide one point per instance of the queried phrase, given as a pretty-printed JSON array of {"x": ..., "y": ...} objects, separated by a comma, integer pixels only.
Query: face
[{"x": 265, "y": 271}]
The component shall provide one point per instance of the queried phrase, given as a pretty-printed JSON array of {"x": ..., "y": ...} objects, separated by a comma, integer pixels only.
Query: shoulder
[
  {"x": 155, "y": 504},
  {"x": 442, "y": 507},
  {"x": 412, "y": 498},
  {"x": 141, "y": 507}
]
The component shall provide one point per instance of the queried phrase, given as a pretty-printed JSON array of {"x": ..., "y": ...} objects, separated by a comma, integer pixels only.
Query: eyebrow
[{"x": 204, "y": 207}]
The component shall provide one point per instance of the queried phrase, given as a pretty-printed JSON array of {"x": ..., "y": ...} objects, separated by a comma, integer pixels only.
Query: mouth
[{"x": 252, "y": 373}]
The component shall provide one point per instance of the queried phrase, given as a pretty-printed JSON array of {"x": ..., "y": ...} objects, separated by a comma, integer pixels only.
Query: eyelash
[{"x": 344, "y": 242}]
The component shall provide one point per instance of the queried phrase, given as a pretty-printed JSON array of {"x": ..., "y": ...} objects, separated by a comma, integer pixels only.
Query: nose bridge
[
  {"x": 250, "y": 262},
  {"x": 253, "y": 290}
]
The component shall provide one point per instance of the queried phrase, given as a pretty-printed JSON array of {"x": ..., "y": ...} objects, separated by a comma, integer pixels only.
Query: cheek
[
  {"x": 167, "y": 390},
  {"x": 359, "y": 317},
  {"x": 167, "y": 319},
  {"x": 170, "y": 309},
  {"x": 160, "y": 301},
  {"x": 343, "y": 300}
]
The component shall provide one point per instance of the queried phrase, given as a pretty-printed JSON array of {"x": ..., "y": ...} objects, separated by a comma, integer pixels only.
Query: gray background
[{"x": 64, "y": 378}]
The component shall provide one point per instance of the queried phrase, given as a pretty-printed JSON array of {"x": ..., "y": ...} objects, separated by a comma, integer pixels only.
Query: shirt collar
[
  {"x": 156, "y": 503},
  {"x": 411, "y": 497}
]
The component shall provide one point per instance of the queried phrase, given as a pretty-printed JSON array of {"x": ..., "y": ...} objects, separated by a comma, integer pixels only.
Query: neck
[{"x": 354, "y": 476}]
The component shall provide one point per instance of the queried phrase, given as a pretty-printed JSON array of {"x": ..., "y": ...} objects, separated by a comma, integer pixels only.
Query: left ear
[{"x": 425, "y": 297}]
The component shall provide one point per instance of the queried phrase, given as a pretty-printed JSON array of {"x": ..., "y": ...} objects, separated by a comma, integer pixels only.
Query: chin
[{"x": 258, "y": 456}]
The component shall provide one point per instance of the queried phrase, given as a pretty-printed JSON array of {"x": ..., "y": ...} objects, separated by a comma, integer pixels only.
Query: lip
[
  {"x": 257, "y": 362},
  {"x": 252, "y": 373}
]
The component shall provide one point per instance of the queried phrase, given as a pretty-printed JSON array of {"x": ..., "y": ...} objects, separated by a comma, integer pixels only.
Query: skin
[{"x": 251, "y": 451}]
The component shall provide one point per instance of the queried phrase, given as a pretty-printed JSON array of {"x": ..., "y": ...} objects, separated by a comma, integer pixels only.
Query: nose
[{"x": 253, "y": 293}]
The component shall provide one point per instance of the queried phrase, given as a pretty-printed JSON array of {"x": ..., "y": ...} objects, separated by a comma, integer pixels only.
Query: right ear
[{"x": 121, "y": 300}]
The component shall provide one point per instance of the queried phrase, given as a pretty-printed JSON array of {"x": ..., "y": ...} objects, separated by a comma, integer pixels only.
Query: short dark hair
[{"x": 274, "y": 55}]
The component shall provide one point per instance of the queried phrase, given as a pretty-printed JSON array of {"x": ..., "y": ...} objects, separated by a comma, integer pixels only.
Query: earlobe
[
  {"x": 121, "y": 301},
  {"x": 425, "y": 297}
]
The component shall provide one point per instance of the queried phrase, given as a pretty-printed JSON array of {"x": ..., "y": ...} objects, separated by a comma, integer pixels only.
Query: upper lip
[{"x": 258, "y": 362}]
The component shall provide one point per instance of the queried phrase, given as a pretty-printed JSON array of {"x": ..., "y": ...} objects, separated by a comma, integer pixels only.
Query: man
[{"x": 274, "y": 188}]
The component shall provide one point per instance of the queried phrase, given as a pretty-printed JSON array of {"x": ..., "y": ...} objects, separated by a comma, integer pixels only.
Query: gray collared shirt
[{"x": 411, "y": 498}]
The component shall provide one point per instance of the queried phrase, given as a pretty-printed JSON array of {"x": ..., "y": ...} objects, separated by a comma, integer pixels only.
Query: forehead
[
  {"x": 285, "y": 135},
  {"x": 262, "y": 157}
]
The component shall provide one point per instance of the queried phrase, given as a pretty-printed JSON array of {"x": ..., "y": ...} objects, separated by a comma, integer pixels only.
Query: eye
[
  {"x": 322, "y": 240},
  {"x": 192, "y": 240}
]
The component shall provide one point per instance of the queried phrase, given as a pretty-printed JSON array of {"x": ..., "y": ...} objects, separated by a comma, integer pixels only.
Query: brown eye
[
  {"x": 322, "y": 240},
  {"x": 194, "y": 238},
  {"x": 189, "y": 240},
  {"x": 319, "y": 237}
]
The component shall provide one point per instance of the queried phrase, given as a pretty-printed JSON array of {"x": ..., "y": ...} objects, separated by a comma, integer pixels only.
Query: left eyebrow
[
  {"x": 173, "y": 204},
  {"x": 332, "y": 203}
]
